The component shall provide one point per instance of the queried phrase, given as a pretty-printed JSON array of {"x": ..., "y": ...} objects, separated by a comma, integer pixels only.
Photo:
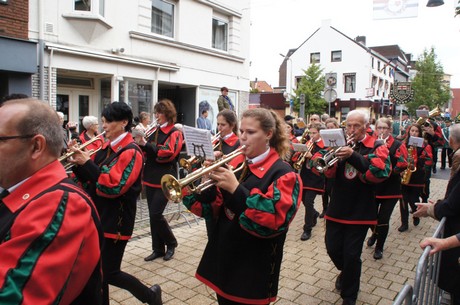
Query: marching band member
[
  {"x": 352, "y": 208},
  {"x": 113, "y": 181},
  {"x": 227, "y": 125},
  {"x": 313, "y": 184},
  {"x": 389, "y": 191},
  {"x": 242, "y": 259},
  {"x": 162, "y": 149},
  {"x": 421, "y": 158},
  {"x": 91, "y": 125}
]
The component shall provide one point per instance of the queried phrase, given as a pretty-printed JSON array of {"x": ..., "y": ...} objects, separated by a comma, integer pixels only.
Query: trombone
[
  {"x": 330, "y": 158},
  {"x": 172, "y": 187},
  {"x": 151, "y": 129},
  {"x": 187, "y": 164},
  {"x": 303, "y": 155},
  {"x": 99, "y": 138}
]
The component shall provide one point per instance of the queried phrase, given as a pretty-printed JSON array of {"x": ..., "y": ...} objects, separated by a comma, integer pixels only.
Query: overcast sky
[{"x": 277, "y": 26}]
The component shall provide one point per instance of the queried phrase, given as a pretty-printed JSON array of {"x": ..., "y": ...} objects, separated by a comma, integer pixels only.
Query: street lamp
[{"x": 290, "y": 81}]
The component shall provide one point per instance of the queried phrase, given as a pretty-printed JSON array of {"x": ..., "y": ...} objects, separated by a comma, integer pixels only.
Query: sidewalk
[{"x": 307, "y": 275}]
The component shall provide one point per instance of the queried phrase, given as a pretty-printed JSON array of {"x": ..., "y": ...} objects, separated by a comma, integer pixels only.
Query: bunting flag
[{"x": 392, "y": 9}]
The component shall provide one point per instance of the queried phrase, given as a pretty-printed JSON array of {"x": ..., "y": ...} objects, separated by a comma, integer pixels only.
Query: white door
[{"x": 76, "y": 104}]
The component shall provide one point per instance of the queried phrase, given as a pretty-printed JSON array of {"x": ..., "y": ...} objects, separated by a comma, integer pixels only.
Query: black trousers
[
  {"x": 344, "y": 244},
  {"x": 411, "y": 195},
  {"x": 425, "y": 193},
  {"x": 435, "y": 156},
  {"x": 112, "y": 255},
  {"x": 308, "y": 201},
  {"x": 160, "y": 230},
  {"x": 327, "y": 193},
  {"x": 385, "y": 208},
  {"x": 446, "y": 152}
]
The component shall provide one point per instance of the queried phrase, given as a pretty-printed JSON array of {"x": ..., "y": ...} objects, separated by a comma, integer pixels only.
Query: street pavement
[{"x": 307, "y": 273}]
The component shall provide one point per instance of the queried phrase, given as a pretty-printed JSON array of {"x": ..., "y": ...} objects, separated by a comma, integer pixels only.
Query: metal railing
[{"x": 426, "y": 290}]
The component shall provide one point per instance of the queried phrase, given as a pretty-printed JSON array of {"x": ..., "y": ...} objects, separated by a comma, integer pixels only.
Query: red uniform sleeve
[
  {"x": 50, "y": 252},
  {"x": 118, "y": 177},
  {"x": 171, "y": 148}
]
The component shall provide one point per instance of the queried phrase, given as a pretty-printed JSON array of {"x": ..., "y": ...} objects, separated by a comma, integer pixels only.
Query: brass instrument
[
  {"x": 151, "y": 129},
  {"x": 303, "y": 156},
  {"x": 68, "y": 165},
  {"x": 411, "y": 166},
  {"x": 187, "y": 164},
  {"x": 432, "y": 114},
  {"x": 172, "y": 187},
  {"x": 330, "y": 158}
]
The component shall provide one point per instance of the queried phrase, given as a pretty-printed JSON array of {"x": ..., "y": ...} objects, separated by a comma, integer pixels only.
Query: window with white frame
[
  {"x": 336, "y": 56},
  {"x": 163, "y": 18},
  {"x": 219, "y": 34},
  {"x": 92, "y": 6},
  {"x": 315, "y": 58},
  {"x": 350, "y": 82}
]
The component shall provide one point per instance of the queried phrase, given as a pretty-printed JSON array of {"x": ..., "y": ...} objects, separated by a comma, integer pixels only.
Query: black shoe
[
  {"x": 154, "y": 255},
  {"x": 443, "y": 167},
  {"x": 371, "y": 240},
  {"x": 348, "y": 302},
  {"x": 416, "y": 221},
  {"x": 305, "y": 235},
  {"x": 155, "y": 298},
  {"x": 338, "y": 282},
  {"x": 315, "y": 218},
  {"x": 378, "y": 254},
  {"x": 434, "y": 170},
  {"x": 322, "y": 214},
  {"x": 169, "y": 253},
  {"x": 403, "y": 228}
]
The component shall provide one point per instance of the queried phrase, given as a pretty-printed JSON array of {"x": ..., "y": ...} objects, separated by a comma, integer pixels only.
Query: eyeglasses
[{"x": 17, "y": 137}]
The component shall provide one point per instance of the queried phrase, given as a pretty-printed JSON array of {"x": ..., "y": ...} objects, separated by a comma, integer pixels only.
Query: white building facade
[
  {"x": 93, "y": 52},
  {"x": 356, "y": 76}
]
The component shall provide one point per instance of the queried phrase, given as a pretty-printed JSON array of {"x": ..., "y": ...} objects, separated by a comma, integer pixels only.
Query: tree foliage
[
  {"x": 429, "y": 88},
  {"x": 312, "y": 85}
]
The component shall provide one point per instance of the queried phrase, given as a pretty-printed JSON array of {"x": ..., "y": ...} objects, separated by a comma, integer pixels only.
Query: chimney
[{"x": 361, "y": 39}]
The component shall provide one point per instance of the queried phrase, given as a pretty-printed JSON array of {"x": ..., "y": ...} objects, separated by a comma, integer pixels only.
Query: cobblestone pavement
[{"x": 307, "y": 275}]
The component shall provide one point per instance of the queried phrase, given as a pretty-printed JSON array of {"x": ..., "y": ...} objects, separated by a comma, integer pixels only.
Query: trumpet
[
  {"x": 433, "y": 113},
  {"x": 151, "y": 129},
  {"x": 99, "y": 138},
  {"x": 303, "y": 156},
  {"x": 172, "y": 187},
  {"x": 188, "y": 163},
  {"x": 330, "y": 158}
]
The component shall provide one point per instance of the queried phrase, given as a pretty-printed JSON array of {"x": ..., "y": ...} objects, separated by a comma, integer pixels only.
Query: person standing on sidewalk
[
  {"x": 389, "y": 191},
  {"x": 446, "y": 152},
  {"x": 352, "y": 208},
  {"x": 224, "y": 101},
  {"x": 113, "y": 180},
  {"x": 242, "y": 260}
]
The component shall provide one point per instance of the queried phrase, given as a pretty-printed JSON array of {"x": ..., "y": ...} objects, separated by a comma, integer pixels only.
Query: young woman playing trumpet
[{"x": 254, "y": 208}]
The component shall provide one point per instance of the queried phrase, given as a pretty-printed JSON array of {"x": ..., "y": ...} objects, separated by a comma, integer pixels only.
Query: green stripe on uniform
[
  {"x": 124, "y": 177},
  {"x": 12, "y": 291}
]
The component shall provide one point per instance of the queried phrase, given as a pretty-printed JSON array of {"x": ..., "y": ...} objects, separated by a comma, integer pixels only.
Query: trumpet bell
[{"x": 171, "y": 187}]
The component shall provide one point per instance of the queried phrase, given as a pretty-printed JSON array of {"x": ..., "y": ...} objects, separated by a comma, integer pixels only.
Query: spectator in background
[
  {"x": 203, "y": 122},
  {"x": 446, "y": 149},
  {"x": 224, "y": 101},
  {"x": 65, "y": 135}
]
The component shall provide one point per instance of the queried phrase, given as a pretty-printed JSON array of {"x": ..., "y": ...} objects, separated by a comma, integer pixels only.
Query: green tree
[
  {"x": 312, "y": 85},
  {"x": 427, "y": 84}
]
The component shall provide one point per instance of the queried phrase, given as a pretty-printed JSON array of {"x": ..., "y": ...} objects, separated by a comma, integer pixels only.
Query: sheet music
[
  {"x": 299, "y": 147},
  {"x": 415, "y": 141},
  {"x": 333, "y": 137},
  {"x": 198, "y": 142}
]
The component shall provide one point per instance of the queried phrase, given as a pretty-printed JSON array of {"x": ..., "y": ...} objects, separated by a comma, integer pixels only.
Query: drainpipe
[
  {"x": 50, "y": 76},
  {"x": 41, "y": 55}
]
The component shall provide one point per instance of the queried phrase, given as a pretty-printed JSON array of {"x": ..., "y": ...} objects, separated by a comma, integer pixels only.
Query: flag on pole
[{"x": 392, "y": 9}]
